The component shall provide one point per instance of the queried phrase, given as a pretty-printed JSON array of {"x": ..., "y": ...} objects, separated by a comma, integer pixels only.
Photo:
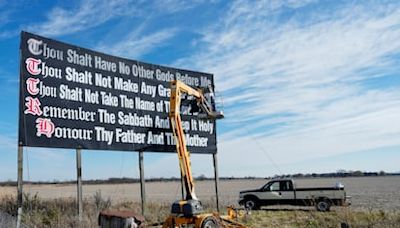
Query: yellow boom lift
[{"x": 189, "y": 211}]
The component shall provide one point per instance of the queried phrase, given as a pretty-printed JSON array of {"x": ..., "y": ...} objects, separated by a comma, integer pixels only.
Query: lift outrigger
[{"x": 189, "y": 211}]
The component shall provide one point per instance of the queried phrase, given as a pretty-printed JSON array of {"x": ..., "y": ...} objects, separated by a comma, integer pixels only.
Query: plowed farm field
[{"x": 369, "y": 193}]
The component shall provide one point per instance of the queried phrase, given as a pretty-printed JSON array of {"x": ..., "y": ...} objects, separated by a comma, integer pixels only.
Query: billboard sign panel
[{"x": 72, "y": 97}]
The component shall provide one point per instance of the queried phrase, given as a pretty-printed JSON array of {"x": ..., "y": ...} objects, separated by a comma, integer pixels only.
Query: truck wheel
[
  {"x": 251, "y": 204},
  {"x": 209, "y": 222},
  {"x": 323, "y": 205}
]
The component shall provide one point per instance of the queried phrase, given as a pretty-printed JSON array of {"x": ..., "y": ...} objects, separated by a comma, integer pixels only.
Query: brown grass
[
  {"x": 296, "y": 218},
  {"x": 62, "y": 213},
  {"x": 55, "y": 205}
]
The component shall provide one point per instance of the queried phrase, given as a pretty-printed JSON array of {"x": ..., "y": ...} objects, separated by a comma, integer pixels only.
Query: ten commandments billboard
[{"x": 72, "y": 97}]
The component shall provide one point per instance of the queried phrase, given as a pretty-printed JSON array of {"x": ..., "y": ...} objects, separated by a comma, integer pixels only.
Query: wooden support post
[
  {"x": 182, "y": 186},
  {"x": 216, "y": 177},
  {"x": 79, "y": 182},
  {"x": 20, "y": 183},
  {"x": 142, "y": 182}
]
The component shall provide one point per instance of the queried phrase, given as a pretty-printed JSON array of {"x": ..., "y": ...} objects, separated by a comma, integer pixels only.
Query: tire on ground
[
  {"x": 251, "y": 203},
  {"x": 210, "y": 222},
  {"x": 323, "y": 205}
]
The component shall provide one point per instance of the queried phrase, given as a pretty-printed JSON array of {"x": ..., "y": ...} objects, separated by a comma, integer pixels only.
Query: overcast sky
[{"x": 307, "y": 86}]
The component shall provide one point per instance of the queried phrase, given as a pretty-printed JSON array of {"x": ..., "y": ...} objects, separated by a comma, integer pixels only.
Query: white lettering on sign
[
  {"x": 108, "y": 99},
  {"x": 206, "y": 126},
  {"x": 164, "y": 76},
  {"x": 36, "y": 67},
  {"x": 129, "y": 136},
  {"x": 196, "y": 140},
  {"x": 101, "y": 81},
  {"x": 155, "y": 139},
  {"x": 163, "y": 92},
  {"x": 170, "y": 138},
  {"x": 148, "y": 89},
  {"x": 103, "y": 135},
  {"x": 38, "y": 47},
  {"x": 102, "y": 64},
  {"x": 134, "y": 119},
  {"x": 73, "y": 133},
  {"x": 73, "y": 75},
  {"x": 126, "y": 102},
  {"x": 106, "y": 117},
  {"x": 125, "y": 85},
  {"x": 191, "y": 81},
  {"x": 47, "y": 91},
  {"x": 47, "y": 71},
  {"x": 162, "y": 123},
  {"x": 124, "y": 69},
  {"x": 205, "y": 82},
  {"x": 78, "y": 59},
  {"x": 92, "y": 97},
  {"x": 68, "y": 113},
  {"x": 72, "y": 94},
  {"x": 141, "y": 72},
  {"x": 144, "y": 105},
  {"x": 34, "y": 46}
]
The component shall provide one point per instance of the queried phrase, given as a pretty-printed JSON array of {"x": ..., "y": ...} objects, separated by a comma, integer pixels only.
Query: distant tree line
[
  {"x": 339, "y": 173},
  {"x": 128, "y": 180}
]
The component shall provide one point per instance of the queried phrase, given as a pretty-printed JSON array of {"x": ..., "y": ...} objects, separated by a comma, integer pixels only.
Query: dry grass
[
  {"x": 62, "y": 213},
  {"x": 55, "y": 205},
  {"x": 296, "y": 218}
]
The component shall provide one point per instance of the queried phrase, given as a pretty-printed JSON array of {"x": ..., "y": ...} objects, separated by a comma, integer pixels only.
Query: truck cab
[
  {"x": 278, "y": 192},
  {"x": 272, "y": 193}
]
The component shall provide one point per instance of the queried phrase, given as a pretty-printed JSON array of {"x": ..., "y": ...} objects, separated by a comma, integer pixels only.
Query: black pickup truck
[{"x": 284, "y": 192}]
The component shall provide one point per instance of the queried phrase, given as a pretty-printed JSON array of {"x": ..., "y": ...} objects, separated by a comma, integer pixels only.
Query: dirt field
[{"x": 367, "y": 192}]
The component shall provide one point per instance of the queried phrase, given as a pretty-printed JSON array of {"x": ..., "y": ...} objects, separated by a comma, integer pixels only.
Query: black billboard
[{"x": 72, "y": 97}]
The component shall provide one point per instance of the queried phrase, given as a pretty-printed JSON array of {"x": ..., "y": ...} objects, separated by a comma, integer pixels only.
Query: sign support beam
[
  {"x": 216, "y": 179},
  {"x": 79, "y": 183},
  {"x": 20, "y": 183},
  {"x": 142, "y": 182}
]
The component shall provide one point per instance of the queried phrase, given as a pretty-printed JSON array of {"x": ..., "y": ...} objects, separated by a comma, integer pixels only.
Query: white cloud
[
  {"x": 89, "y": 14},
  {"x": 174, "y": 6},
  {"x": 304, "y": 77},
  {"x": 134, "y": 45},
  {"x": 6, "y": 17}
]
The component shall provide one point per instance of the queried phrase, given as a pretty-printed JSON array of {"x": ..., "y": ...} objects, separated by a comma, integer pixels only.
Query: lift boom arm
[
  {"x": 178, "y": 88},
  {"x": 190, "y": 211}
]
